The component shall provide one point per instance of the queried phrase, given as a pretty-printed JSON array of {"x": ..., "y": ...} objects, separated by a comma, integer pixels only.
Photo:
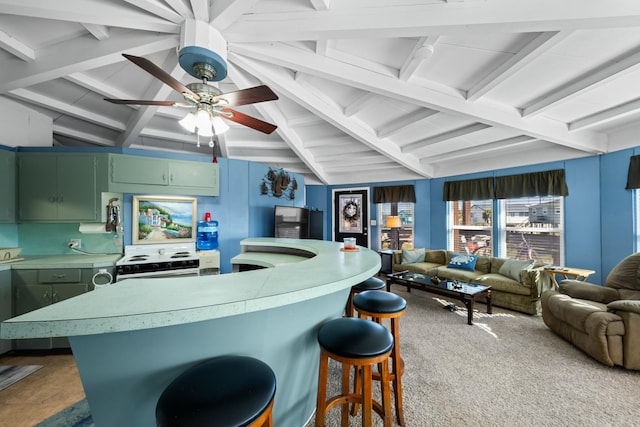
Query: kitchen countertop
[
  {"x": 136, "y": 304},
  {"x": 64, "y": 261}
]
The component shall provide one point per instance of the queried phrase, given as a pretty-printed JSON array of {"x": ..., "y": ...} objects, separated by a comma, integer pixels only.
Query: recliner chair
[{"x": 603, "y": 321}]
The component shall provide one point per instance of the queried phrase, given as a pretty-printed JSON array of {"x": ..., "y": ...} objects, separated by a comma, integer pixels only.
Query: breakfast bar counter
[{"x": 132, "y": 338}]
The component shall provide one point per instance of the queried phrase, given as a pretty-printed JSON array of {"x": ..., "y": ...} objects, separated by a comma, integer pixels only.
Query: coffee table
[{"x": 466, "y": 292}]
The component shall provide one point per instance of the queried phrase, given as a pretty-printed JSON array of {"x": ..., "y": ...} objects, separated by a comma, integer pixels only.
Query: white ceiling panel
[{"x": 361, "y": 97}]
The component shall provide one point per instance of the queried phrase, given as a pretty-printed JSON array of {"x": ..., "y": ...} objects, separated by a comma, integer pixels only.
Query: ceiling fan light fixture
[
  {"x": 205, "y": 130},
  {"x": 189, "y": 122},
  {"x": 203, "y": 118},
  {"x": 219, "y": 126}
]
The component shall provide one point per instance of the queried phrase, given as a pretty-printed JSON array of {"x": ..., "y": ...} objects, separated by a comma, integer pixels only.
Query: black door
[{"x": 351, "y": 216}]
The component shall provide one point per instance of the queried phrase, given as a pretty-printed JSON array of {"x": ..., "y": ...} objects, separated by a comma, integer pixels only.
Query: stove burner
[
  {"x": 139, "y": 258},
  {"x": 181, "y": 255}
]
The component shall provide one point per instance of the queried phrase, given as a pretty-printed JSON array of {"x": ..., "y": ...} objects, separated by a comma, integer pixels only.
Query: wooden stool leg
[
  {"x": 345, "y": 390},
  {"x": 367, "y": 396},
  {"x": 322, "y": 389},
  {"x": 386, "y": 395},
  {"x": 396, "y": 367}
]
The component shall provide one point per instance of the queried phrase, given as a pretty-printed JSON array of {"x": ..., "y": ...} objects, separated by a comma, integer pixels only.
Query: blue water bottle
[{"x": 207, "y": 237}]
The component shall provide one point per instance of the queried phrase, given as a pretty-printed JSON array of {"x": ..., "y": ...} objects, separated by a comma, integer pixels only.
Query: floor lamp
[{"x": 394, "y": 222}]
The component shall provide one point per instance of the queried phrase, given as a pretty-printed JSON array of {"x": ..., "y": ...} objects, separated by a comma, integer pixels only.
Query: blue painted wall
[{"x": 599, "y": 217}]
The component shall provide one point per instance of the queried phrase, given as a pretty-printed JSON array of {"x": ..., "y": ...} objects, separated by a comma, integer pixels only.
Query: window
[
  {"x": 396, "y": 238},
  {"x": 528, "y": 228},
  {"x": 470, "y": 225},
  {"x": 533, "y": 228}
]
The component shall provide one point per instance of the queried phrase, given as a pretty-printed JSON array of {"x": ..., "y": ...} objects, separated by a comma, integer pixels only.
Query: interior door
[{"x": 351, "y": 215}]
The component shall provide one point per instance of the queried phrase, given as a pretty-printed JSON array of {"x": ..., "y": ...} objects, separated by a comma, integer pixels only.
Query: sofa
[
  {"x": 603, "y": 321},
  {"x": 515, "y": 284}
]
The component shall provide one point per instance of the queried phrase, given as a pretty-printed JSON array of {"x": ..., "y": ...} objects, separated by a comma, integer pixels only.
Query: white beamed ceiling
[{"x": 370, "y": 90}]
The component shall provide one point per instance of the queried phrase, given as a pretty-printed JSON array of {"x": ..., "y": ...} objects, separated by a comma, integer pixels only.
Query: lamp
[
  {"x": 394, "y": 222},
  {"x": 204, "y": 121}
]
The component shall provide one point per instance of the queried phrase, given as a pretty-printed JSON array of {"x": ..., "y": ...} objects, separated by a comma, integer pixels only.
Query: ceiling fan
[{"x": 209, "y": 102}]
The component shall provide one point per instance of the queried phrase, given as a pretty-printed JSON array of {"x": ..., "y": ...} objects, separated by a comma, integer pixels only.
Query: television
[{"x": 291, "y": 222}]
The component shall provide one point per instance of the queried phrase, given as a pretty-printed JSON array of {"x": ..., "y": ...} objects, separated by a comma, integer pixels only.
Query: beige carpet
[{"x": 508, "y": 369}]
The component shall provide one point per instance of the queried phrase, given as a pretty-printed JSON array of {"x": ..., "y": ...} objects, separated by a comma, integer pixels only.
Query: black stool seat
[
  {"x": 355, "y": 338},
  {"x": 379, "y": 302},
  {"x": 372, "y": 283},
  {"x": 224, "y": 391}
]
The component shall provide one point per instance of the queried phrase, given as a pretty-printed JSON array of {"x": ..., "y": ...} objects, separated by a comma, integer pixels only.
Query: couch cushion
[
  {"x": 576, "y": 312},
  {"x": 409, "y": 256},
  {"x": 435, "y": 256},
  {"x": 457, "y": 274},
  {"x": 463, "y": 262},
  {"x": 513, "y": 267},
  {"x": 625, "y": 275},
  {"x": 427, "y": 268},
  {"x": 501, "y": 283}
]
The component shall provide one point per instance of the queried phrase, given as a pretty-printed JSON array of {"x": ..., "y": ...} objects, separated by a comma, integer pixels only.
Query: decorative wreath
[{"x": 348, "y": 215}]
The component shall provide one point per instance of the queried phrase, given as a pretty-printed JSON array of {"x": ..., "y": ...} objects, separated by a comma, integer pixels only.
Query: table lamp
[{"x": 394, "y": 222}]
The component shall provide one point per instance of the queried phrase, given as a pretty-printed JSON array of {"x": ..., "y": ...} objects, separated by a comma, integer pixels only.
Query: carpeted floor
[{"x": 507, "y": 369}]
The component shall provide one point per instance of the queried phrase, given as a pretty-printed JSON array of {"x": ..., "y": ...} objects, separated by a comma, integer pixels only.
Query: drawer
[{"x": 60, "y": 275}]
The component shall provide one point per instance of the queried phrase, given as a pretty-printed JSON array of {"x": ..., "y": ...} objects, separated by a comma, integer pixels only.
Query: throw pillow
[
  {"x": 463, "y": 262},
  {"x": 411, "y": 256},
  {"x": 512, "y": 267}
]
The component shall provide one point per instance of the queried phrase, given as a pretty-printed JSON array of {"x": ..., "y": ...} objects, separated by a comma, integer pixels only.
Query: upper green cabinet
[
  {"x": 134, "y": 174},
  {"x": 58, "y": 187},
  {"x": 7, "y": 186}
]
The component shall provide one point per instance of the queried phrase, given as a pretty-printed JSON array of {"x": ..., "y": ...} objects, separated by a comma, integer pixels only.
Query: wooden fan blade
[
  {"x": 141, "y": 102},
  {"x": 252, "y": 122},
  {"x": 160, "y": 74},
  {"x": 247, "y": 96}
]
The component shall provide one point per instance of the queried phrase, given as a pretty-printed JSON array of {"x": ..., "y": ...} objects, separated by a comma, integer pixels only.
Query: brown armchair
[{"x": 603, "y": 321}]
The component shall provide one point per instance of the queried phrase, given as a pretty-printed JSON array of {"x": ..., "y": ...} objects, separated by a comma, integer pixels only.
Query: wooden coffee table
[{"x": 466, "y": 292}]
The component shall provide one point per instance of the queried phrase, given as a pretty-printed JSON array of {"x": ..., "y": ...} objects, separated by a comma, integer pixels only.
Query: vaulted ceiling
[{"x": 369, "y": 90}]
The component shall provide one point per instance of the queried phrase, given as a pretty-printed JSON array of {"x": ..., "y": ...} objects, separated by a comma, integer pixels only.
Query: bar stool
[
  {"x": 378, "y": 305},
  {"x": 359, "y": 343},
  {"x": 372, "y": 283},
  {"x": 227, "y": 391}
]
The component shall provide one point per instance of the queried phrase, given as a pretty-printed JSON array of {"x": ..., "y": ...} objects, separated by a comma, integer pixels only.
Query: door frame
[{"x": 366, "y": 220}]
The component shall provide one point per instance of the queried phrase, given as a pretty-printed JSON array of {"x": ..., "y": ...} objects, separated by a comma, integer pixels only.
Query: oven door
[{"x": 154, "y": 274}]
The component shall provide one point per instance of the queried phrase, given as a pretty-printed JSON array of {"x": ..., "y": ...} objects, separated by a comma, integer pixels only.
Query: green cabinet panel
[
  {"x": 136, "y": 174},
  {"x": 193, "y": 174},
  {"x": 34, "y": 289},
  {"x": 139, "y": 170},
  {"x": 6, "y": 306},
  {"x": 58, "y": 187},
  {"x": 7, "y": 186}
]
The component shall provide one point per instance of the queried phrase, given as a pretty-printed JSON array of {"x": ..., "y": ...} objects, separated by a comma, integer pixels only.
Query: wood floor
[{"x": 45, "y": 392}]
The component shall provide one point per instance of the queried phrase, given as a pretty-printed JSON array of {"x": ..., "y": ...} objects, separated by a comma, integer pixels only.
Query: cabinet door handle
[
  {"x": 54, "y": 297},
  {"x": 171, "y": 178},
  {"x": 46, "y": 295},
  {"x": 60, "y": 198}
]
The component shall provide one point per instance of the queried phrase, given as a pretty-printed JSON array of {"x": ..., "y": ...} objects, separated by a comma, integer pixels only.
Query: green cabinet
[
  {"x": 135, "y": 174},
  {"x": 58, "y": 187},
  {"x": 6, "y": 306},
  {"x": 37, "y": 288},
  {"x": 7, "y": 186}
]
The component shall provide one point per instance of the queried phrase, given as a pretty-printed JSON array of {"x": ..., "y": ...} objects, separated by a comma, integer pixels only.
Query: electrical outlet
[{"x": 75, "y": 243}]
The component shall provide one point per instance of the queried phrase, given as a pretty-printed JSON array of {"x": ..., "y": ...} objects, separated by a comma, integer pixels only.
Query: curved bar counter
[{"x": 131, "y": 339}]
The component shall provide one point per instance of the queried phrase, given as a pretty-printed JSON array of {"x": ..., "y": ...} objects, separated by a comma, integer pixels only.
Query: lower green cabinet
[
  {"x": 6, "y": 306},
  {"x": 37, "y": 288}
]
